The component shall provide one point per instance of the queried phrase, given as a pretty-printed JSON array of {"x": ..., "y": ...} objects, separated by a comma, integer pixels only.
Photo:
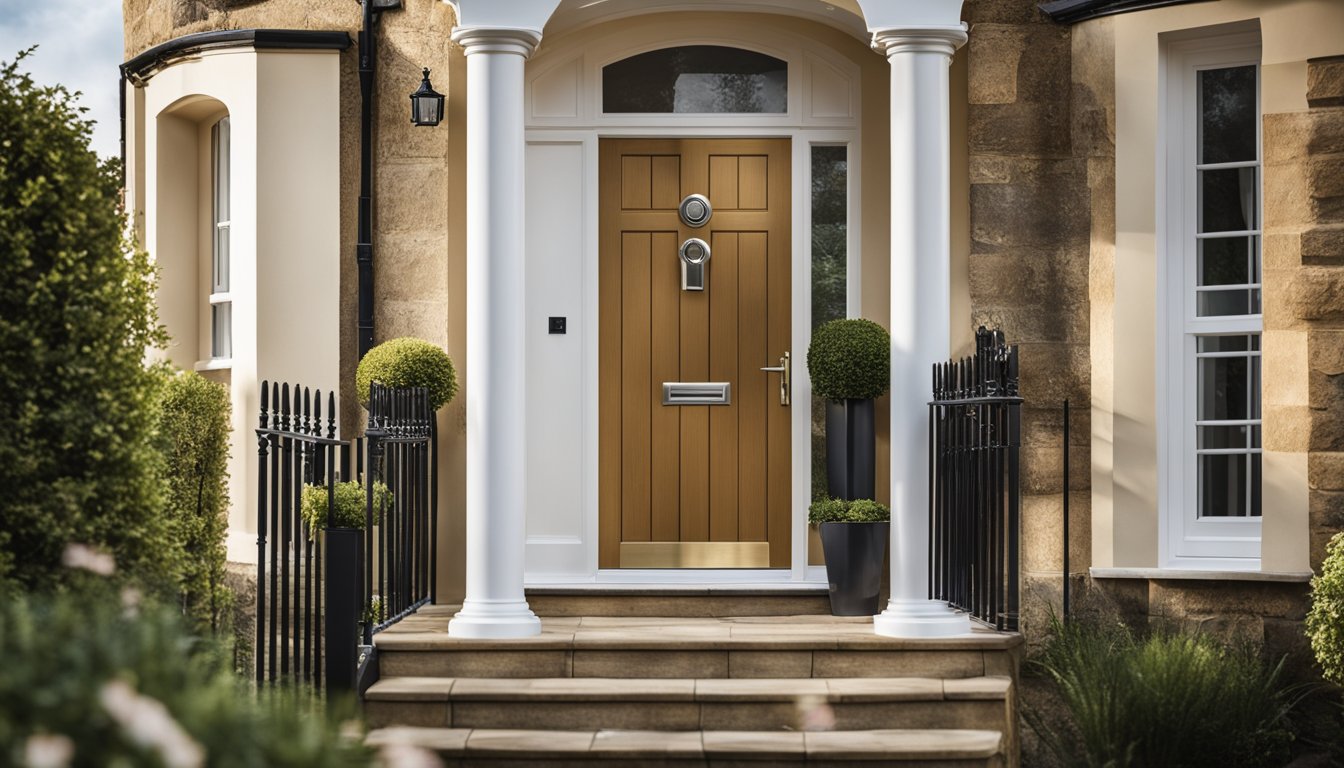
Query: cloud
[{"x": 79, "y": 46}]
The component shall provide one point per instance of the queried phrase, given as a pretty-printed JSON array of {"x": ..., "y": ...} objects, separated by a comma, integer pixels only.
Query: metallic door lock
[
  {"x": 783, "y": 370},
  {"x": 694, "y": 255},
  {"x": 695, "y": 211}
]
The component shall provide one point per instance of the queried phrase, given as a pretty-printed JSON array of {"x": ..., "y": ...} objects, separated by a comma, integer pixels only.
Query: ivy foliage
[
  {"x": 849, "y": 359},
  {"x": 1325, "y": 620},
  {"x": 194, "y": 427},
  {"x": 77, "y": 447},
  {"x": 100, "y": 677},
  {"x": 408, "y": 362},
  {"x": 842, "y": 511},
  {"x": 348, "y": 511}
]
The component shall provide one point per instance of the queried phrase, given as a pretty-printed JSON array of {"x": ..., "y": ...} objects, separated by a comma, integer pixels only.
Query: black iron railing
[
  {"x": 975, "y": 438},
  {"x": 319, "y": 594},
  {"x": 296, "y": 446},
  {"x": 402, "y": 449}
]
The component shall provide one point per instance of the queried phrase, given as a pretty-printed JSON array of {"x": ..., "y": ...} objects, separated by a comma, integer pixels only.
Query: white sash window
[
  {"x": 221, "y": 302},
  {"x": 1213, "y": 321}
]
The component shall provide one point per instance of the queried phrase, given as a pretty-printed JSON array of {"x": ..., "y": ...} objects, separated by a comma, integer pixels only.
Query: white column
[
  {"x": 920, "y": 307},
  {"x": 495, "y": 606}
]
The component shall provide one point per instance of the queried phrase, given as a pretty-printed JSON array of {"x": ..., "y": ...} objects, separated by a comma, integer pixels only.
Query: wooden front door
[{"x": 694, "y": 486}]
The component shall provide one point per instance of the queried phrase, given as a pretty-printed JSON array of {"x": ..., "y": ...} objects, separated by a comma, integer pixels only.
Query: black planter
[
  {"x": 851, "y": 449},
  {"x": 854, "y": 557},
  {"x": 345, "y": 603}
]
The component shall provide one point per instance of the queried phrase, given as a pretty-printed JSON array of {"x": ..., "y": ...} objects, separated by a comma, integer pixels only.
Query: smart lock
[{"x": 694, "y": 255}]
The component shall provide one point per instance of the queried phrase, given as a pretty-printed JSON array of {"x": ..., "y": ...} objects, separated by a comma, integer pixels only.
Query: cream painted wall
[
  {"x": 284, "y": 276},
  {"x": 1126, "y": 525}
]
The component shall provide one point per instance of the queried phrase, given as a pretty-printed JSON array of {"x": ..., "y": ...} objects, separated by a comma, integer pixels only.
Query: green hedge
[
  {"x": 1325, "y": 620},
  {"x": 842, "y": 511},
  {"x": 106, "y": 679},
  {"x": 849, "y": 360},
  {"x": 78, "y": 460},
  {"x": 408, "y": 362},
  {"x": 194, "y": 428}
]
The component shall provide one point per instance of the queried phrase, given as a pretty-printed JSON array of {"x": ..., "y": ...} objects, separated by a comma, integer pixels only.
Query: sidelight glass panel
[
  {"x": 830, "y": 272},
  {"x": 697, "y": 79}
]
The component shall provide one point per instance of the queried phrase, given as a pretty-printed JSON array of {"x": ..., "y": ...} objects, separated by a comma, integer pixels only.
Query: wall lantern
[{"x": 426, "y": 104}]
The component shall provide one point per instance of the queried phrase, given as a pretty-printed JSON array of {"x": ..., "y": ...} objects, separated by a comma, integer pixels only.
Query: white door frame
[{"x": 581, "y": 60}]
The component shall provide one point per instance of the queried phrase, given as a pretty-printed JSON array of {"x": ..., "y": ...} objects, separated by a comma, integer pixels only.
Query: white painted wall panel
[{"x": 555, "y": 402}]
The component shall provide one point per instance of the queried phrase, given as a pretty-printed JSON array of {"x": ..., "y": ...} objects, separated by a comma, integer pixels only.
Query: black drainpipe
[{"x": 364, "y": 246}]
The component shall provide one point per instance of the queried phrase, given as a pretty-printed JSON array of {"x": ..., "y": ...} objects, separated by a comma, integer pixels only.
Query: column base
[
  {"x": 921, "y": 618},
  {"x": 501, "y": 620}
]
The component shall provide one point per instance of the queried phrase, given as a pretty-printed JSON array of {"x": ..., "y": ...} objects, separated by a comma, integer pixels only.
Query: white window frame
[
  {"x": 220, "y": 299},
  {"x": 1186, "y": 540}
]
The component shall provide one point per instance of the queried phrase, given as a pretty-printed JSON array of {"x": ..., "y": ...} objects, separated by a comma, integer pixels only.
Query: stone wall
[
  {"x": 1041, "y": 133},
  {"x": 1304, "y": 246}
]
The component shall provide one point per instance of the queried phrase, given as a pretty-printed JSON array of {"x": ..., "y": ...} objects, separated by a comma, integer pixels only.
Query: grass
[{"x": 1171, "y": 700}]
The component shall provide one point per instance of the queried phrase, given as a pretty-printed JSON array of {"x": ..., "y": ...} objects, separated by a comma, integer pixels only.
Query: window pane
[
  {"x": 1225, "y": 261},
  {"x": 1255, "y": 484},
  {"x": 220, "y": 282},
  {"x": 1222, "y": 437},
  {"x": 1227, "y": 114},
  {"x": 830, "y": 235},
  {"x": 1223, "y": 487},
  {"x": 1240, "y": 301},
  {"x": 1228, "y": 343},
  {"x": 696, "y": 79},
  {"x": 1223, "y": 384},
  {"x": 1227, "y": 200},
  {"x": 220, "y": 161},
  {"x": 221, "y": 331}
]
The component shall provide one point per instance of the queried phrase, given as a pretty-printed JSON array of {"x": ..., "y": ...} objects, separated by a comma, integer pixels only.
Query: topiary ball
[
  {"x": 849, "y": 360},
  {"x": 408, "y": 362}
]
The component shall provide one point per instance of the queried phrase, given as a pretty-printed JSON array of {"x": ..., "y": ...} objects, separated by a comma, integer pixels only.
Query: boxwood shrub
[
  {"x": 408, "y": 362},
  {"x": 849, "y": 359},
  {"x": 349, "y": 508},
  {"x": 842, "y": 511}
]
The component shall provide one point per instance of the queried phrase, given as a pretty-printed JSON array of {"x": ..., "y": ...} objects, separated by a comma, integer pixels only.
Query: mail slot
[{"x": 696, "y": 393}]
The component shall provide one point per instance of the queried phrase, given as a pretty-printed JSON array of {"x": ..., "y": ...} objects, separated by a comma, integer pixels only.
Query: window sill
[
  {"x": 220, "y": 364},
  {"x": 1193, "y": 575}
]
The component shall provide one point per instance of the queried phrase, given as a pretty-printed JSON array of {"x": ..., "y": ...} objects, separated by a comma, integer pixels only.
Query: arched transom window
[{"x": 696, "y": 79}]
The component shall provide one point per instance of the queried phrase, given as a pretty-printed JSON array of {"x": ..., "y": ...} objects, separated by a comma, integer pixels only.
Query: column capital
[
  {"x": 518, "y": 41},
  {"x": 890, "y": 41}
]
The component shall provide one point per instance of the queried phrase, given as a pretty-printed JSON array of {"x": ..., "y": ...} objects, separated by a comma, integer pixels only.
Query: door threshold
[{"x": 679, "y": 583}]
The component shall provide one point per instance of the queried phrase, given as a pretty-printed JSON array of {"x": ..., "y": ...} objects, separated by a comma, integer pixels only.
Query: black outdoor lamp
[{"x": 426, "y": 104}]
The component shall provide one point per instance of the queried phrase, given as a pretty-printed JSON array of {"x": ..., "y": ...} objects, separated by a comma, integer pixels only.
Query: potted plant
[
  {"x": 408, "y": 362},
  {"x": 854, "y": 537},
  {"x": 849, "y": 362},
  {"x": 347, "y": 513}
]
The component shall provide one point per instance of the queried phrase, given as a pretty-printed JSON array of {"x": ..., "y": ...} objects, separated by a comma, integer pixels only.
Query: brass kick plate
[{"x": 695, "y": 554}]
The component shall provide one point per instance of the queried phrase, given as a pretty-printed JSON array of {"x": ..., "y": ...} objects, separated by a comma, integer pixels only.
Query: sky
[{"x": 79, "y": 45}]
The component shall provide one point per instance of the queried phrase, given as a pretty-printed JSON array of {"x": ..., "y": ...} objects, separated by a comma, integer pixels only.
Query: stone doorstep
[
  {"x": 597, "y": 689},
  {"x": 696, "y": 663},
  {"x": 887, "y": 745},
  {"x": 682, "y": 705}
]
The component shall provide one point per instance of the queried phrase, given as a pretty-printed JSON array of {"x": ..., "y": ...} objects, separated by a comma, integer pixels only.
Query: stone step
[
  {"x": 850, "y": 704},
  {"x": 945, "y": 748},
  {"x": 678, "y": 602},
  {"x": 663, "y": 647}
]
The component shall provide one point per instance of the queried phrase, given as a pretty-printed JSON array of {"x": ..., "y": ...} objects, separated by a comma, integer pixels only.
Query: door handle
[{"x": 783, "y": 370}]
